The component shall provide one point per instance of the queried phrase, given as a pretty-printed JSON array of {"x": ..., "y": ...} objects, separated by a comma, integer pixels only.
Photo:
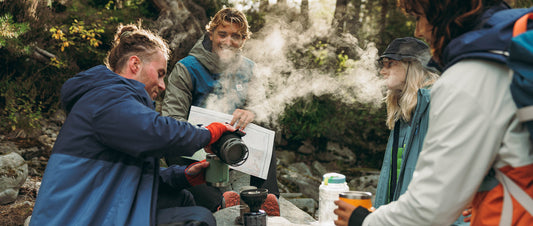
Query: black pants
[
  {"x": 211, "y": 197},
  {"x": 179, "y": 208}
]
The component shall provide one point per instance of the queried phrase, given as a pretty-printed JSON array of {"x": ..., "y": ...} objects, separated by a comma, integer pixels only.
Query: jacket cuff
[
  {"x": 174, "y": 176},
  {"x": 195, "y": 179},
  {"x": 358, "y": 216}
]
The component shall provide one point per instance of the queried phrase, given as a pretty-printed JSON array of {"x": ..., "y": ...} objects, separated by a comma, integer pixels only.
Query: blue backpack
[{"x": 520, "y": 60}]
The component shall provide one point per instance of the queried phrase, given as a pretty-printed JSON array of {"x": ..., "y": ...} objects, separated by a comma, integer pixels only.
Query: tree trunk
[
  {"x": 383, "y": 19},
  {"x": 353, "y": 23},
  {"x": 304, "y": 11},
  {"x": 181, "y": 23},
  {"x": 339, "y": 21},
  {"x": 118, "y": 4}
]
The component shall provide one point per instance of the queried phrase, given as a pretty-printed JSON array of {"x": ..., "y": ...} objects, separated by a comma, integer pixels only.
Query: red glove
[
  {"x": 195, "y": 172},
  {"x": 217, "y": 129}
]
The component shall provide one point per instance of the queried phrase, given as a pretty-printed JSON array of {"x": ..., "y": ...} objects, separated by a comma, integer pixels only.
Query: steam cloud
[{"x": 277, "y": 82}]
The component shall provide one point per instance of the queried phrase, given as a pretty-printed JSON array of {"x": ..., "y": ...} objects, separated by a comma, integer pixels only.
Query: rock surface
[
  {"x": 290, "y": 215},
  {"x": 13, "y": 174}
]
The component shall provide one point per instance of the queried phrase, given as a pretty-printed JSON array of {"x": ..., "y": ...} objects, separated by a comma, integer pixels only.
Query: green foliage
[
  {"x": 133, "y": 4},
  {"x": 256, "y": 19},
  {"x": 78, "y": 33},
  {"x": 76, "y": 36},
  {"x": 319, "y": 55},
  {"x": 398, "y": 25},
  {"x": 342, "y": 60},
  {"x": 21, "y": 110},
  {"x": 142, "y": 7},
  {"x": 10, "y": 33},
  {"x": 83, "y": 33},
  {"x": 213, "y": 6},
  {"x": 521, "y": 3},
  {"x": 359, "y": 126}
]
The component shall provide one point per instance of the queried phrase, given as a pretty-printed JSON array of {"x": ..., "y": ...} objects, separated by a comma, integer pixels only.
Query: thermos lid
[
  {"x": 356, "y": 195},
  {"x": 334, "y": 178},
  {"x": 211, "y": 156}
]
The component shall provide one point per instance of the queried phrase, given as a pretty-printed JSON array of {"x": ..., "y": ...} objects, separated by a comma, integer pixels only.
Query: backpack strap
[
  {"x": 520, "y": 26},
  {"x": 526, "y": 113},
  {"x": 510, "y": 188},
  {"x": 394, "y": 162}
]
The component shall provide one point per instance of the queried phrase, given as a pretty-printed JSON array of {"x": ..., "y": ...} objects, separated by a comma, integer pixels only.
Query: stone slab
[{"x": 290, "y": 215}]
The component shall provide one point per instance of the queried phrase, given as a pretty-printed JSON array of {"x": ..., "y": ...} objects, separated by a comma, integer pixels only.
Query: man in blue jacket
[{"x": 104, "y": 168}]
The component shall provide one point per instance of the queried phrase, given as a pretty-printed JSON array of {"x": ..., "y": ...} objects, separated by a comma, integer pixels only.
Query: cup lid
[
  {"x": 335, "y": 178},
  {"x": 355, "y": 195}
]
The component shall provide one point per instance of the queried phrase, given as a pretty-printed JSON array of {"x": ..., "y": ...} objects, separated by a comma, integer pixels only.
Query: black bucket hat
[{"x": 407, "y": 49}]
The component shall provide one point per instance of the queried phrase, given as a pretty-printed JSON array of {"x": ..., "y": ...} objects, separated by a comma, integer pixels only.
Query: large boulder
[
  {"x": 299, "y": 176},
  {"x": 13, "y": 173},
  {"x": 182, "y": 23}
]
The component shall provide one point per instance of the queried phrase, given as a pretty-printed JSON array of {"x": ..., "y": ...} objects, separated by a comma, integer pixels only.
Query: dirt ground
[{"x": 16, "y": 213}]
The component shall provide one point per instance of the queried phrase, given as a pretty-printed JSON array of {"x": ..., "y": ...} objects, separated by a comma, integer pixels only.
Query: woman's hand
[{"x": 344, "y": 211}]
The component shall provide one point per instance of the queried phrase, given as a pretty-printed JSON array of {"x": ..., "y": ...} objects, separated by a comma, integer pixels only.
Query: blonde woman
[{"x": 408, "y": 81}]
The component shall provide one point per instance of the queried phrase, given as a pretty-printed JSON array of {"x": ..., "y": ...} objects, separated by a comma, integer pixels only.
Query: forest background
[{"x": 316, "y": 59}]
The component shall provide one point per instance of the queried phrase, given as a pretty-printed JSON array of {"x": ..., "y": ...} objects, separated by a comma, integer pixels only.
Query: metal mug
[{"x": 357, "y": 198}]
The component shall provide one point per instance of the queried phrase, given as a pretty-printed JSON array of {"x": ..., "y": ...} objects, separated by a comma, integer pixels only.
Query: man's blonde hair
[
  {"x": 132, "y": 40},
  {"x": 233, "y": 16}
]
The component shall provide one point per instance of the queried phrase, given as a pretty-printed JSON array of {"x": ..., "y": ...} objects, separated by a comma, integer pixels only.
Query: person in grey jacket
[
  {"x": 474, "y": 135},
  {"x": 216, "y": 75}
]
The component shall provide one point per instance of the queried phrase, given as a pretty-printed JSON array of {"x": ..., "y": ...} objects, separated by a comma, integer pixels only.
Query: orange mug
[{"x": 357, "y": 198}]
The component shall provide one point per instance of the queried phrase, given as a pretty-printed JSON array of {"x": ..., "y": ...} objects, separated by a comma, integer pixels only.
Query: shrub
[
  {"x": 359, "y": 126},
  {"x": 74, "y": 37}
]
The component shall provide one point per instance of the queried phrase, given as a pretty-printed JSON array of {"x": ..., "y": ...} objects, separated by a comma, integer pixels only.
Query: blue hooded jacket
[{"x": 104, "y": 167}]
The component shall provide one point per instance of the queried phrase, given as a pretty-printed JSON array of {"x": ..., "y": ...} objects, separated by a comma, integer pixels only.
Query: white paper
[{"x": 259, "y": 140}]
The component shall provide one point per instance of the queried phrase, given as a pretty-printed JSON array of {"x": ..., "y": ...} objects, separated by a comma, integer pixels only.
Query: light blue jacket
[{"x": 412, "y": 134}]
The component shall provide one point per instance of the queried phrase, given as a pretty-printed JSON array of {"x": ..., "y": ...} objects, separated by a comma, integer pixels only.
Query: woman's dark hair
[
  {"x": 133, "y": 40},
  {"x": 449, "y": 18}
]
